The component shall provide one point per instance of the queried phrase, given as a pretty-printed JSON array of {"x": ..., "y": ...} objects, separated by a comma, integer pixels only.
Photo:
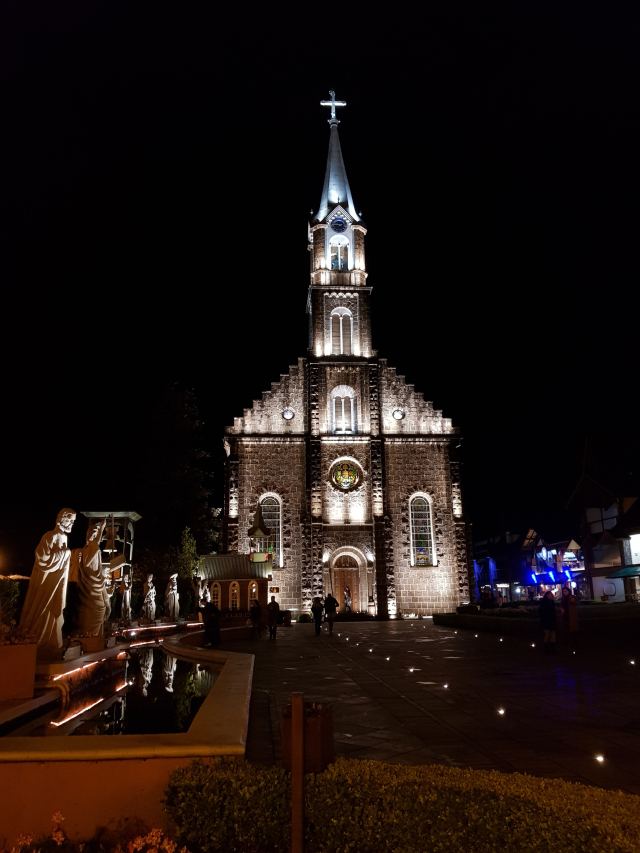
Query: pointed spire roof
[{"x": 336, "y": 189}]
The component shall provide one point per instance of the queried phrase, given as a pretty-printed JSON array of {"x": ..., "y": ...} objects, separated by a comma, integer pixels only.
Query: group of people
[{"x": 549, "y": 619}]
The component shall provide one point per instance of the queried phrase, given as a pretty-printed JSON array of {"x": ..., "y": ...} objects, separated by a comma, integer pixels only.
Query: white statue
[
  {"x": 42, "y": 612},
  {"x": 169, "y": 664},
  {"x": 125, "y": 592},
  {"x": 201, "y": 590},
  {"x": 149, "y": 603},
  {"x": 172, "y": 599},
  {"x": 94, "y": 604},
  {"x": 146, "y": 669}
]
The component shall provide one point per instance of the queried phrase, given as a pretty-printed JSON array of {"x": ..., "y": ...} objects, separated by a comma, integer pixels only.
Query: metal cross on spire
[{"x": 333, "y": 104}]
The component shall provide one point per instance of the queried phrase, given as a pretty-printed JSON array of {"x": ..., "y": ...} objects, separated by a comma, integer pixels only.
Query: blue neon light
[
  {"x": 567, "y": 573},
  {"x": 533, "y": 577},
  {"x": 551, "y": 575}
]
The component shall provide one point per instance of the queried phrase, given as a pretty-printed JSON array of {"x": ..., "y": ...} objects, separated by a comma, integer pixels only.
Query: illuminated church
[{"x": 355, "y": 472}]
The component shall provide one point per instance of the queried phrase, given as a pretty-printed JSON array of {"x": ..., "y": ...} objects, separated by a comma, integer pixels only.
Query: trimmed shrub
[
  {"x": 370, "y": 807},
  {"x": 231, "y": 806}
]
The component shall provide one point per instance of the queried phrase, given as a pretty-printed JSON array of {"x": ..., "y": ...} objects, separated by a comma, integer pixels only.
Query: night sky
[{"x": 158, "y": 169}]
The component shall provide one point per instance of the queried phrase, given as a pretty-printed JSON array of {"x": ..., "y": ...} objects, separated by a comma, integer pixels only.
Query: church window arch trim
[
  {"x": 234, "y": 595},
  {"x": 214, "y": 590},
  {"x": 341, "y": 331},
  {"x": 271, "y": 504},
  {"x": 421, "y": 530},
  {"x": 252, "y": 593},
  {"x": 344, "y": 410}
]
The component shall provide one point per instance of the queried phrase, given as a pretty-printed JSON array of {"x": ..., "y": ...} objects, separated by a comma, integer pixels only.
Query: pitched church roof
[{"x": 336, "y": 189}]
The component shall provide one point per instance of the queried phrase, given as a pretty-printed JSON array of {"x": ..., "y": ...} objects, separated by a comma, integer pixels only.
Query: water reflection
[
  {"x": 145, "y": 658},
  {"x": 169, "y": 664}
]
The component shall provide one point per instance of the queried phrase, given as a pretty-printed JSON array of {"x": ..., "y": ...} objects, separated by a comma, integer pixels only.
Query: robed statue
[
  {"x": 149, "y": 603},
  {"x": 172, "y": 598},
  {"x": 42, "y": 615},
  {"x": 94, "y": 602},
  {"x": 125, "y": 592}
]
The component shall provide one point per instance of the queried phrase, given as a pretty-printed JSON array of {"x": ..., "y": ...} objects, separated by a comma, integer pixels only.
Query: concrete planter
[
  {"x": 18, "y": 668},
  {"x": 318, "y": 737}
]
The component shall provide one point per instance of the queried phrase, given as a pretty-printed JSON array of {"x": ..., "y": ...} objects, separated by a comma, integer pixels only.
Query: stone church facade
[{"x": 356, "y": 473}]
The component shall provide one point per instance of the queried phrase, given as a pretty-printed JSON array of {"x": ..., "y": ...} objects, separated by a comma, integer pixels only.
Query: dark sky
[{"x": 158, "y": 170}]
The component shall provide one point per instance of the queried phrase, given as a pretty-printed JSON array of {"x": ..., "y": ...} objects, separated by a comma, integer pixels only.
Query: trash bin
[
  {"x": 318, "y": 737},
  {"x": 286, "y": 621}
]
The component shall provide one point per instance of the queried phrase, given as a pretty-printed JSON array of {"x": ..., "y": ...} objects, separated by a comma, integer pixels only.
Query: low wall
[
  {"x": 526, "y": 626},
  {"x": 99, "y": 781}
]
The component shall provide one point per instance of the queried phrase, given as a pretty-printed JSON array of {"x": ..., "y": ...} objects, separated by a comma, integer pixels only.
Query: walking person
[
  {"x": 211, "y": 618},
  {"x": 255, "y": 614},
  {"x": 569, "y": 611},
  {"x": 330, "y": 608},
  {"x": 273, "y": 613},
  {"x": 548, "y": 621},
  {"x": 316, "y": 612}
]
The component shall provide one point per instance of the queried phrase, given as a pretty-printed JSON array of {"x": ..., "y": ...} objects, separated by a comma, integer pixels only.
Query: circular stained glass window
[{"x": 345, "y": 475}]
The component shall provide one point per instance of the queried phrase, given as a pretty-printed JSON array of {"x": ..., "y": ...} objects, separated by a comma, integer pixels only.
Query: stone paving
[{"x": 414, "y": 693}]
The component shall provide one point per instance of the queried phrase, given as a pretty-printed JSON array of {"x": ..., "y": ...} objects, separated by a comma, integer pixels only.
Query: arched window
[
  {"x": 339, "y": 248},
  {"x": 271, "y": 514},
  {"x": 215, "y": 594},
  {"x": 341, "y": 331},
  {"x": 253, "y": 593},
  {"x": 421, "y": 532},
  {"x": 234, "y": 595},
  {"x": 343, "y": 410}
]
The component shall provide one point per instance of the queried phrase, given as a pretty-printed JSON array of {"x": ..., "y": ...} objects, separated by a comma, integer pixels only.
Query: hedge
[{"x": 370, "y": 807}]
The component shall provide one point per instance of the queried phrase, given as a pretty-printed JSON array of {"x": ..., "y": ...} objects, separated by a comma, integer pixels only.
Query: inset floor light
[
  {"x": 600, "y": 758},
  {"x": 388, "y": 658},
  {"x": 501, "y": 711},
  {"x": 533, "y": 645},
  {"x": 445, "y": 686},
  {"x": 500, "y": 639},
  {"x": 632, "y": 662}
]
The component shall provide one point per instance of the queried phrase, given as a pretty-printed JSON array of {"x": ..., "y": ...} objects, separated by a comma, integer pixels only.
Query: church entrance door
[{"x": 347, "y": 582}]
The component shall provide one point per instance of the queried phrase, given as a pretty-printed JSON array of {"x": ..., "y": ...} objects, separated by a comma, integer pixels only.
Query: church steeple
[
  {"x": 338, "y": 302},
  {"x": 336, "y": 189}
]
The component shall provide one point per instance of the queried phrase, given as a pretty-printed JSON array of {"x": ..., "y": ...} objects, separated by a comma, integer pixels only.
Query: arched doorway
[{"x": 347, "y": 582}]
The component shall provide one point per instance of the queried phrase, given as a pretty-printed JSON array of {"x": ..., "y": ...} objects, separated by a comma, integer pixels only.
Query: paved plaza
[{"x": 415, "y": 693}]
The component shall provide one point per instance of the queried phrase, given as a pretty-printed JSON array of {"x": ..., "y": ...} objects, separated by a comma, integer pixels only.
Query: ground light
[
  {"x": 445, "y": 686},
  {"x": 533, "y": 645},
  {"x": 370, "y": 650},
  {"x": 388, "y": 658},
  {"x": 632, "y": 662},
  {"x": 500, "y": 639},
  {"x": 600, "y": 758},
  {"x": 501, "y": 711}
]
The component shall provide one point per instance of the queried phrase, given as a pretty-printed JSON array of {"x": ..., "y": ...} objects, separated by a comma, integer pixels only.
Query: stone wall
[
  {"x": 422, "y": 465},
  {"x": 277, "y": 465},
  {"x": 265, "y": 416},
  {"x": 419, "y": 415}
]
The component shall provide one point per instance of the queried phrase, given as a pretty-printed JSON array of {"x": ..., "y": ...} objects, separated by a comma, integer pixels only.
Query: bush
[
  {"x": 304, "y": 617},
  {"x": 468, "y": 608},
  {"x": 230, "y": 806},
  {"x": 369, "y": 807}
]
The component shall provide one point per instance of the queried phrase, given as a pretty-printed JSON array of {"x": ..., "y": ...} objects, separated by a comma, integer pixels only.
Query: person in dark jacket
[
  {"x": 548, "y": 621},
  {"x": 211, "y": 618},
  {"x": 316, "y": 612},
  {"x": 255, "y": 614},
  {"x": 330, "y": 607},
  {"x": 273, "y": 612},
  {"x": 569, "y": 610}
]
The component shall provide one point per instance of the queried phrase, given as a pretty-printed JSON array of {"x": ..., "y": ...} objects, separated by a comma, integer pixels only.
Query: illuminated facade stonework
[{"x": 362, "y": 466}]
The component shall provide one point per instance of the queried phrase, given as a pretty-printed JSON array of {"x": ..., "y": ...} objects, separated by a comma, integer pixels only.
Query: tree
[
  {"x": 188, "y": 560},
  {"x": 169, "y": 475}
]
